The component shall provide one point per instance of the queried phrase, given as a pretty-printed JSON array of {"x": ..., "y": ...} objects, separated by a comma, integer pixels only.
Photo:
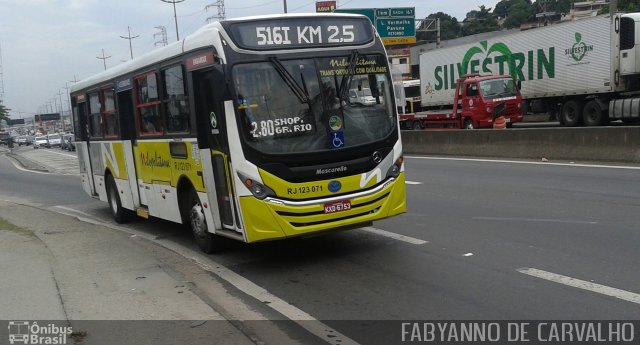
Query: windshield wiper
[
  {"x": 346, "y": 79},
  {"x": 301, "y": 94}
]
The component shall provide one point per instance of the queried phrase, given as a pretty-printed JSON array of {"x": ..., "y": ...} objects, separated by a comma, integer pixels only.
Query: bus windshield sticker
[
  {"x": 337, "y": 139},
  {"x": 335, "y": 123},
  {"x": 340, "y": 66},
  {"x": 280, "y": 127},
  {"x": 296, "y": 33}
]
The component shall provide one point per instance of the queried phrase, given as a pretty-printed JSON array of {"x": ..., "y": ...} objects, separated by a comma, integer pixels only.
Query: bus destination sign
[{"x": 299, "y": 33}]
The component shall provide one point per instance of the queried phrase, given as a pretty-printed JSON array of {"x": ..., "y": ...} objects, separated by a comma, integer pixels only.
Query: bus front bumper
[{"x": 274, "y": 218}]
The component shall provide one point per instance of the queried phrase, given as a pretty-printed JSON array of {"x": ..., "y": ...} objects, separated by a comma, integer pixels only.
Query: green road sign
[{"x": 394, "y": 25}]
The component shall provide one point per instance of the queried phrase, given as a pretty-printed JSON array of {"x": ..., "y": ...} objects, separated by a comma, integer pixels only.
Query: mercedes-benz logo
[{"x": 377, "y": 157}]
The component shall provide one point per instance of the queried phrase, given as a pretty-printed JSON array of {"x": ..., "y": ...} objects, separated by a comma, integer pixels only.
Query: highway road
[{"x": 481, "y": 239}]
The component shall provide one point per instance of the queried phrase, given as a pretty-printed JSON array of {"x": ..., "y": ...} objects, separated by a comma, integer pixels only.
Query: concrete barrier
[{"x": 614, "y": 144}]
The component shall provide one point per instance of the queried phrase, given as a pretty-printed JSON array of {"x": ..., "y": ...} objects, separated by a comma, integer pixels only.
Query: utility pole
[
  {"x": 163, "y": 36},
  {"x": 285, "y": 6},
  {"x": 221, "y": 12},
  {"x": 130, "y": 38},
  {"x": 175, "y": 17},
  {"x": 1, "y": 78},
  {"x": 104, "y": 59}
]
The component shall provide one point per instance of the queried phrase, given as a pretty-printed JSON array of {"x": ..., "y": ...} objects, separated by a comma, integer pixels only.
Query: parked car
[
  {"x": 39, "y": 142},
  {"x": 68, "y": 142},
  {"x": 54, "y": 140},
  {"x": 20, "y": 140}
]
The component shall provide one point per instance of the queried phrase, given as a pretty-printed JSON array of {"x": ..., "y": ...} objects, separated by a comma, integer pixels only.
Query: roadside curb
[{"x": 27, "y": 163}]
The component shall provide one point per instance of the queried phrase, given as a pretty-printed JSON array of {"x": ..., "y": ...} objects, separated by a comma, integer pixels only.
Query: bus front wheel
[{"x": 207, "y": 241}]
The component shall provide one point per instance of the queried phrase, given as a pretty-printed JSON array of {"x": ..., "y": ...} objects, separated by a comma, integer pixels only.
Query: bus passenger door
[
  {"x": 81, "y": 129},
  {"x": 128, "y": 130},
  {"x": 212, "y": 138}
]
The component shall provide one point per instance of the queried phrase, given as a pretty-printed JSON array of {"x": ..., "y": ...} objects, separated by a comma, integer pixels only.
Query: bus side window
[
  {"x": 109, "y": 113},
  {"x": 148, "y": 105},
  {"x": 176, "y": 102},
  {"x": 95, "y": 116}
]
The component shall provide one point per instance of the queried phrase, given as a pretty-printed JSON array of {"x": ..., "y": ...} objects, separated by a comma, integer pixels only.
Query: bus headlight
[
  {"x": 258, "y": 190},
  {"x": 395, "y": 169}
]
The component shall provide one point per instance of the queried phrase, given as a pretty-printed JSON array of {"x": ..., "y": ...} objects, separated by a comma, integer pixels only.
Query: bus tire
[
  {"x": 119, "y": 214},
  {"x": 592, "y": 114},
  {"x": 572, "y": 113},
  {"x": 208, "y": 242}
]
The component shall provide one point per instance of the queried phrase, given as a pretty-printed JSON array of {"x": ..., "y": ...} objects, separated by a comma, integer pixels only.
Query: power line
[{"x": 130, "y": 38}]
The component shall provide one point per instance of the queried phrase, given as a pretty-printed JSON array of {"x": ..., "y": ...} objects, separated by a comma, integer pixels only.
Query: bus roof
[{"x": 199, "y": 39}]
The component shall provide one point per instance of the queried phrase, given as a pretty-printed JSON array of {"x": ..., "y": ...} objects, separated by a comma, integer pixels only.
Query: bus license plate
[{"x": 337, "y": 206}]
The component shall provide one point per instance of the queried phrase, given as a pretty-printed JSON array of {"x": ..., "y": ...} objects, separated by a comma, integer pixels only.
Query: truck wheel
[
  {"x": 572, "y": 113},
  {"x": 592, "y": 114},
  {"x": 468, "y": 124},
  {"x": 119, "y": 214},
  {"x": 207, "y": 241}
]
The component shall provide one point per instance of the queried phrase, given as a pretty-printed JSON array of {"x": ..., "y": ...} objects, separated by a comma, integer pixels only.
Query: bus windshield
[
  {"x": 498, "y": 88},
  {"x": 306, "y": 105}
]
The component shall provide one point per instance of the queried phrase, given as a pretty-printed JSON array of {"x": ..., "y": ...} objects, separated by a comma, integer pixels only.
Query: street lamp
[{"x": 175, "y": 17}]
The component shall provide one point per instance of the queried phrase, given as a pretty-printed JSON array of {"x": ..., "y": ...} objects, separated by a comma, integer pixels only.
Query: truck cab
[
  {"x": 482, "y": 99},
  {"x": 477, "y": 102}
]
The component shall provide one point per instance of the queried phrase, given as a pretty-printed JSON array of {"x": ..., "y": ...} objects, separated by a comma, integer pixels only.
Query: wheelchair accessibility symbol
[{"x": 338, "y": 140}]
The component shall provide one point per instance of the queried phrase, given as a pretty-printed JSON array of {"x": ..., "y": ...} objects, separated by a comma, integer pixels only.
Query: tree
[
  {"x": 479, "y": 21},
  {"x": 519, "y": 13},
  {"x": 4, "y": 112},
  {"x": 449, "y": 28},
  {"x": 626, "y": 6},
  {"x": 502, "y": 8},
  {"x": 557, "y": 6}
]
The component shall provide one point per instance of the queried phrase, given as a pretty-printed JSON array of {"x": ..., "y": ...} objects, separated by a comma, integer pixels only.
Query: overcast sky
[{"x": 45, "y": 44}]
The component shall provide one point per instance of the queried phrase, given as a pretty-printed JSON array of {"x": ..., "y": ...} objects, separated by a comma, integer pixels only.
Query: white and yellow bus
[{"x": 244, "y": 129}]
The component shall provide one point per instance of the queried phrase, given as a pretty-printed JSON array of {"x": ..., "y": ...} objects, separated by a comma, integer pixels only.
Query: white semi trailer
[{"x": 585, "y": 71}]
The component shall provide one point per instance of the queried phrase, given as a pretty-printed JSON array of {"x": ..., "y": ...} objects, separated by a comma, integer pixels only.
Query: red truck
[{"x": 478, "y": 101}]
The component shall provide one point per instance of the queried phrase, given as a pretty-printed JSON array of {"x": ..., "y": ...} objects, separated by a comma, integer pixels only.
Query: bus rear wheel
[
  {"x": 120, "y": 215},
  {"x": 208, "y": 242}
]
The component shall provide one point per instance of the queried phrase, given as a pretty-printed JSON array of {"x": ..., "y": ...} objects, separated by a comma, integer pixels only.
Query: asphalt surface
[{"x": 485, "y": 224}]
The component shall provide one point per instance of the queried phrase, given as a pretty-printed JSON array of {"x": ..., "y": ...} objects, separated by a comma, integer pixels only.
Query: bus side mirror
[{"x": 519, "y": 84}]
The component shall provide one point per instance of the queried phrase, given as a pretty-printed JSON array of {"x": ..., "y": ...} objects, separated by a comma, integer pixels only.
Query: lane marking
[
  {"x": 566, "y": 221},
  {"x": 525, "y": 162},
  {"x": 393, "y": 235},
  {"x": 412, "y": 182},
  {"x": 243, "y": 284},
  {"x": 60, "y": 153},
  {"x": 581, "y": 284},
  {"x": 72, "y": 210}
]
